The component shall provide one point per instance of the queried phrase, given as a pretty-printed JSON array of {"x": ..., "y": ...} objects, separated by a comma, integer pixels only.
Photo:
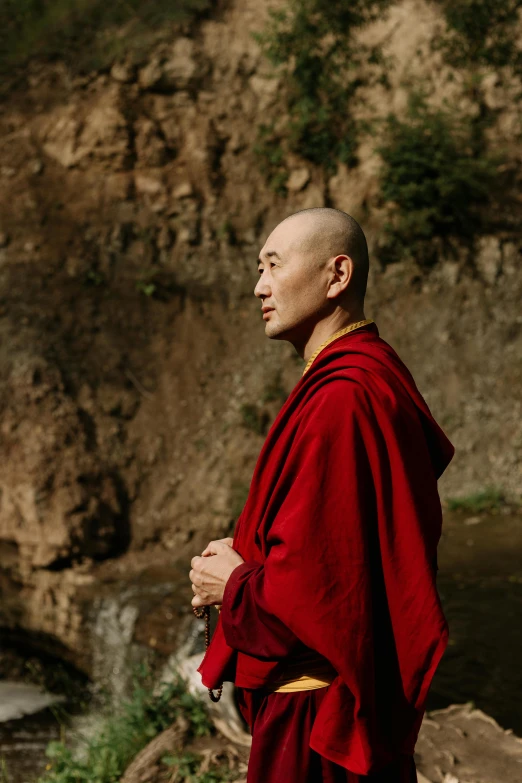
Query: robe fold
[{"x": 339, "y": 533}]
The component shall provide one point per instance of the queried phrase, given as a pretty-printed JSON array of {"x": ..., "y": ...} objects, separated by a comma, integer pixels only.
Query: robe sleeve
[{"x": 248, "y": 625}]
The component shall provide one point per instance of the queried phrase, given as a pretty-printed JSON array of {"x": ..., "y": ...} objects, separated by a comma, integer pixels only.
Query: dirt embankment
[{"x": 136, "y": 381}]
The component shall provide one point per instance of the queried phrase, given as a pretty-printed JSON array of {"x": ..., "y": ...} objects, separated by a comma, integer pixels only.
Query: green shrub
[
  {"x": 312, "y": 41},
  {"x": 84, "y": 33},
  {"x": 437, "y": 180},
  {"x": 489, "y": 499},
  {"x": 274, "y": 390},
  {"x": 254, "y": 419},
  {"x": 187, "y": 767},
  {"x": 125, "y": 732},
  {"x": 271, "y": 156},
  {"x": 481, "y": 33}
]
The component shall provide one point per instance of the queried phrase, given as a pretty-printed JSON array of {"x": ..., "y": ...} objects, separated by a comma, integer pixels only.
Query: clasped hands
[{"x": 211, "y": 571}]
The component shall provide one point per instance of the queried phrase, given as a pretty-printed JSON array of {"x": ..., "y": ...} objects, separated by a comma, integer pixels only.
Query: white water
[{"x": 18, "y": 699}]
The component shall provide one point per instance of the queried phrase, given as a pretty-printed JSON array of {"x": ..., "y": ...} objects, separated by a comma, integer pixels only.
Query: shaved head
[
  {"x": 329, "y": 232},
  {"x": 313, "y": 272}
]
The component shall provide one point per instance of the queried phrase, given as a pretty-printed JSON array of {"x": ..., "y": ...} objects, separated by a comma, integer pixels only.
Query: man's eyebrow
[{"x": 269, "y": 254}]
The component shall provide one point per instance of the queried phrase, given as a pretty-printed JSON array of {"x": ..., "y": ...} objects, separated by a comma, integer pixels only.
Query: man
[{"x": 330, "y": 623}]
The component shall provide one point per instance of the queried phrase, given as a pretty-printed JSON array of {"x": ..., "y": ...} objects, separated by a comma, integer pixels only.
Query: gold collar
[{"x": 334, "y": 336}]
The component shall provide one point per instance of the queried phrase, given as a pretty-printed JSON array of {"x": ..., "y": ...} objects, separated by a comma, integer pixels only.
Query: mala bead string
[{"x": 201, "y": 614}]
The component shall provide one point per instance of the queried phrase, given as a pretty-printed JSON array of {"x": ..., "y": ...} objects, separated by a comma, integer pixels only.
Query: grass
[
  {"x": 125, "y": 732},
  {"x": 488, "y": 499}
]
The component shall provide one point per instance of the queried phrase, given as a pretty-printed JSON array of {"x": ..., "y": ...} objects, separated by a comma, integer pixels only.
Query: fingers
[{"x": 215, "y": 547}]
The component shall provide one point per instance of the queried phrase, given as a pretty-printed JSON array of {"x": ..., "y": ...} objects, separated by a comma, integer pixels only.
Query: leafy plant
[
  {"x": 312, "y": 42},
  {"x": 481, "y": 33},
  {"x": 188, "y": 766},
  {"x": 437, "y": 179},
  {"x": 158, "y": 284},
  {"x": 149, "y": 289},
  {"x": 125, "y": 732}
]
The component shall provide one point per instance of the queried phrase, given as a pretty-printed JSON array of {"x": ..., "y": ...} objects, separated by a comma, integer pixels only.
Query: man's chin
[{"x": 274, "y": 332}]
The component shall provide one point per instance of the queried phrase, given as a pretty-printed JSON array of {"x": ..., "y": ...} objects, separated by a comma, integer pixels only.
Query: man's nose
[{"x": 262, "y": 288}]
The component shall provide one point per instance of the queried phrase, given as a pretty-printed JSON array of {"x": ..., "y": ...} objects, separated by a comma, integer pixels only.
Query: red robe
[{"x": 339, "y": 533}]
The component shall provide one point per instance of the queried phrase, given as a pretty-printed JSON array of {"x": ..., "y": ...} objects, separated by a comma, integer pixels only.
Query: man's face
[{"x": 291, "y": 282}]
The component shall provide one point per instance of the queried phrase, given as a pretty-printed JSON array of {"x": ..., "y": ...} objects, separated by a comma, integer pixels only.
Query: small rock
[
  {"x": 472, "y": 521},
  {"x": 73, "y": 266},
  {"x": 150, "y": 75},
  {"x": 511, "y": 255},
  {"x": 186, "y": 235},
  {"x": 181, "y": 67},
  {"x": 249, "y": 236},
  {"x": 177, "y": 71},
  {"x": 150, "y": 147},
  {"x": 36, "y": 167},
  {"x": 164, "y": 239},
  {"x": 449, "y": 272},
  {"x": 236, "y": 141},
  {"x": 298, "y": 179},
  {"x": 489, "y": 259},
  {"x": 147, "y": 185},
  {"x": 123, "y": 72},
  {"x": 183, "y": 190},
  {"x": 264, "y": 88}
]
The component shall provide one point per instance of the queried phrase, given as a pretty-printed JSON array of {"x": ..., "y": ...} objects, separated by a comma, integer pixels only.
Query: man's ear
[{"x": 342, "y": 268}]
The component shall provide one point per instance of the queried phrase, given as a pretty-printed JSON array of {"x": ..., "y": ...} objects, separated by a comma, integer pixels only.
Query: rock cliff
[{"x": 136, "y": 381}]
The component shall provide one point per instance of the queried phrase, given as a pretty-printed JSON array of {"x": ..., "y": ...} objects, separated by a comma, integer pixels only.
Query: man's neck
[{"x": 323, "y": 330}]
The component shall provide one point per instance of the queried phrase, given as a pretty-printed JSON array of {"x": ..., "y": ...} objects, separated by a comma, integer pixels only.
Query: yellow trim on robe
[
  {"x": 334, "y": 336},
  {"x": 304, "y": 683},
  {"x": 304, "y": 672}
]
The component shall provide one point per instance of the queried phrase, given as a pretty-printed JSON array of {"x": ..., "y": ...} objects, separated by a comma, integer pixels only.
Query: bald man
[{"x": 330, "y": 623}]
